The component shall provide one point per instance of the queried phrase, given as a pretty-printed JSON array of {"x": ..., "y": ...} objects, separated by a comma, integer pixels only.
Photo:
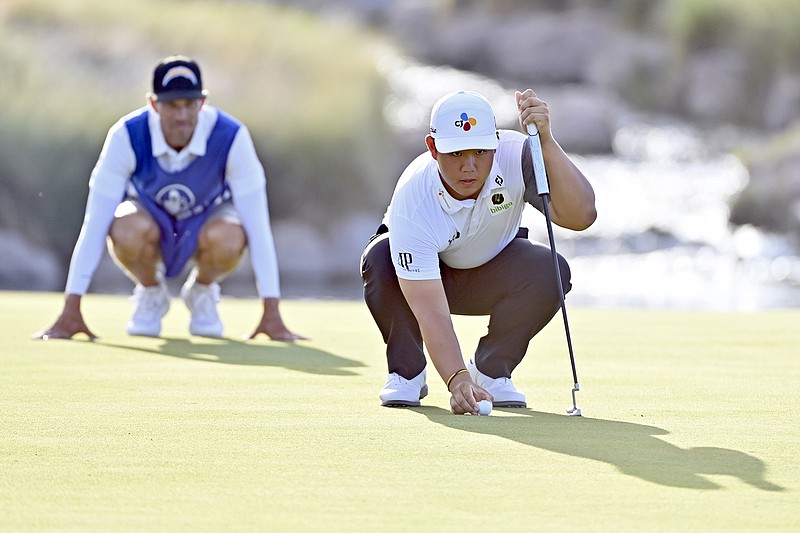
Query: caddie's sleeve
[
  {"x": 107, "y": 185},
  {"x": 245, "y": 176}
]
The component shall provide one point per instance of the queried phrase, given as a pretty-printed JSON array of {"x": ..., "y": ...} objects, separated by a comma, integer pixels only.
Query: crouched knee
[{"x": 222, "y": 238}]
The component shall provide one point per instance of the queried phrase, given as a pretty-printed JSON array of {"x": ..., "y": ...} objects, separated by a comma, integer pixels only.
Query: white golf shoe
[
  {"x": 503, "y": 391},
  {"x": 401, "y": 392},
  {"x": 150, "y": 304},
  {"x": 202, "y": 303}
]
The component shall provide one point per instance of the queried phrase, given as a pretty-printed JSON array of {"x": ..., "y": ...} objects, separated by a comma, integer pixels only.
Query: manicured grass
[{"x": 689, "y": 426}]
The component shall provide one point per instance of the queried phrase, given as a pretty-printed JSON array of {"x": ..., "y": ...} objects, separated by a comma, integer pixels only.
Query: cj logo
[
  {"x": 443, "y": 198},
  {"x": 176, "y": 199},
  {"x": 466, "y": 122}
]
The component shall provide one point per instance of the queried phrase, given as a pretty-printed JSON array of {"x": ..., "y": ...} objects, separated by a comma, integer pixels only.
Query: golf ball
[{"x": 484, "y": 407}]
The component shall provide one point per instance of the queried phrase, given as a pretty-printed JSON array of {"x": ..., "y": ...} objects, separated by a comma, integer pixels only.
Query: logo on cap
[
  {"x": 466, "y": 122},
  {"x": 179, "y": 72},
  {"x": 177, "y": 77}
]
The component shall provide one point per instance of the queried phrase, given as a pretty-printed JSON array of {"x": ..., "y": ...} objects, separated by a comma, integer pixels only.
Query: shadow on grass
[
  {"x": 632, "y": 448},
  {"x": 232, "y": 352}
]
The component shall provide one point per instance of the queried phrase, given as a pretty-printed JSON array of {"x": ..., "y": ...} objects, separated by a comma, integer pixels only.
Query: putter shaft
[{"x": 543, "y": 189}]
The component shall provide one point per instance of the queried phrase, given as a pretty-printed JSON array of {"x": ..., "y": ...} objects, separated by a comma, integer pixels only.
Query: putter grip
[{"x": 539, "y": 172}]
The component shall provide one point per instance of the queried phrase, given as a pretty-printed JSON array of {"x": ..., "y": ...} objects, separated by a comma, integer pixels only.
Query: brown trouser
[{"x": 517, "y": 289}]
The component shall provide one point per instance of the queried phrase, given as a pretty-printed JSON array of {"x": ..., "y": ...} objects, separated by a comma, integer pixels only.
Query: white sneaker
[
  {"x": 202, "y": 302},
  {"x": 502, "y": 389},
  {"x": 150, "y": 304},
  {"x": 401, "y": 392}
]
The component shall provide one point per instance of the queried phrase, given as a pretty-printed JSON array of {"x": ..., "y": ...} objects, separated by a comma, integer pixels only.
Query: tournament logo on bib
[
  {"x": 176, "y": 199},
  {"x": 498, "y": 203}
]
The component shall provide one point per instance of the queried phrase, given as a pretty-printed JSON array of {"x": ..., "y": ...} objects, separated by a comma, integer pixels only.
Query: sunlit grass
[{"x": 683, "y": 413}]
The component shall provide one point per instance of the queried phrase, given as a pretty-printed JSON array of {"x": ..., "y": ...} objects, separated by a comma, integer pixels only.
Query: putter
[{"x": 543, "y": 188}]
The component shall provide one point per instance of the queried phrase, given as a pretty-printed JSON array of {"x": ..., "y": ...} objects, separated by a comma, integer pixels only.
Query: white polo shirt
[
  {"x": 117, "y": 162},
  {"x": 426, "y": 224}
]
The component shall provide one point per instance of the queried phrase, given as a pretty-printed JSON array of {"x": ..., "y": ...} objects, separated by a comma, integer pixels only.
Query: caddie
[{"x": 177, "y": 182}]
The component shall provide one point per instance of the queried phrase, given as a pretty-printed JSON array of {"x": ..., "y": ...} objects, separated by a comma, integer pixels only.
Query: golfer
[
  {"x": 177, "y": 181},
  {"x": 451, "y": 242}
]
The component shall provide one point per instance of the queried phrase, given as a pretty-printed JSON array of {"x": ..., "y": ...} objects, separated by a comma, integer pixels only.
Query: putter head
[{"x": 574, "y": 410}]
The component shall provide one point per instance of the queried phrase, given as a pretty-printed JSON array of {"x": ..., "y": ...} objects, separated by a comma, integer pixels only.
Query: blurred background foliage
[
  {"x": 768, "y": 29},
  {"x": 766, "y": 33},
  {"x": 309, "y": 92}
]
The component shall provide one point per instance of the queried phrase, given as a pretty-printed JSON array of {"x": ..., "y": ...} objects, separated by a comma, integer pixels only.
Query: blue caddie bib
[{"x": 180, "y": 202}]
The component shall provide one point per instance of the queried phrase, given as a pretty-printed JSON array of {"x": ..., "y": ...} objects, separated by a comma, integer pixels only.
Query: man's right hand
[
  {"x": 69, "y": 323},
  {"x": 465, "y": 395}
]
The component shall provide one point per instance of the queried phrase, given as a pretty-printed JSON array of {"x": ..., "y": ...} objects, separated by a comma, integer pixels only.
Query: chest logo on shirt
[
  {"x": 177, "y": 200},
  {"x": 498, "y": 203},
  {"x": 443, "y": 198}
]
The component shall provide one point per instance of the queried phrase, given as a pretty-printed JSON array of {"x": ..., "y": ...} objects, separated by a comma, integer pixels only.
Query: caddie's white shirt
[
  {"x": 426, "y": 224},
  {"x": 111, "y": 177}
]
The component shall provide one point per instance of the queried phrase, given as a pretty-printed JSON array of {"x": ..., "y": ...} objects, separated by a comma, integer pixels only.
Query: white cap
[{"x": 463, "y": 120}]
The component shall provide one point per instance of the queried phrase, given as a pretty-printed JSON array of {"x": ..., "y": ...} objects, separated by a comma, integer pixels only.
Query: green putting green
[{"x": 688, "y": 426}]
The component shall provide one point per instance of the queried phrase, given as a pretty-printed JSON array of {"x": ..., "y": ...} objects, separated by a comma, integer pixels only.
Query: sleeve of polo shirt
[
  {"x": 106, "y": 190},
  {"x": 245, "y": 176},
  {"x": 415, "y": 254}
]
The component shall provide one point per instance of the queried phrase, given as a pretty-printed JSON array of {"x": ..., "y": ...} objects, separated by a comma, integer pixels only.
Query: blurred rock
[
  {"x": 537, "y": 47},
  {"x": 782, "y": 105},
  {"x": 306, "y": 252},
  {"x": 302, "y": 250},
  {"x": 715, "y": 88},
  {"x": 24, "y": 266},
  {"x": 636, "y": 67},
  {"x": 771, "y": 200},
  {"x": 545, "y": 48},
  {"x": 584, "y": 118},
  {"x": 313, "y": 261}
]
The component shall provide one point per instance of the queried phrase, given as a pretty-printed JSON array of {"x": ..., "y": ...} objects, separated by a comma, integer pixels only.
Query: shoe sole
[
  {"x": 143, "y": 334},
  {"x": 405, "y": 403},
  {"x": 516, "y": 405},
  {"x": 134, "y": 332},
  {"x": 399, "y": 404},
  {"x": 207, "y": 334}
]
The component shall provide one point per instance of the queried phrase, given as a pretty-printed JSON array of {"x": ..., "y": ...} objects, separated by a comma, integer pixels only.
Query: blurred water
[{"x": 662, "y": 238}]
